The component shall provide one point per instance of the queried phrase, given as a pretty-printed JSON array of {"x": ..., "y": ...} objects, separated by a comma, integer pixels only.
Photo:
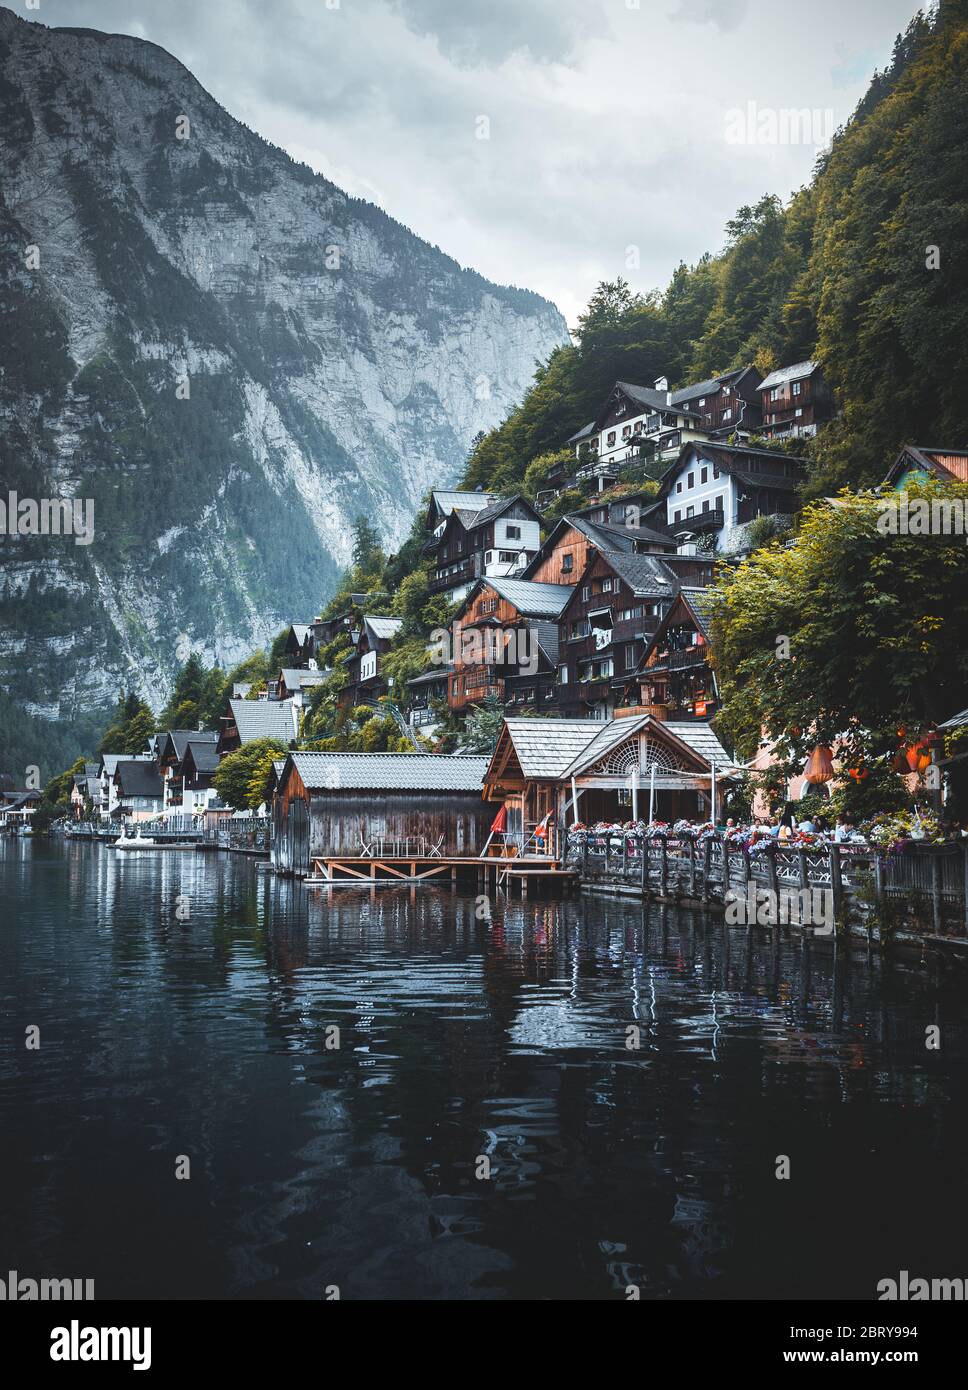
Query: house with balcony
[
  {"x": 612, "y": 613},
  {"x": 139, "y": 790},
  {"x": 248, "y": 720},
  {"x": 714, "y": 490},
  {"x": 572, "y": 540},
  {"x": 796, "y": 401},
  {"x": 364, "y": 680},
  {"x": 674, "y": 679},
  {"x": 505, "y": 645},
  {"x": 726, "y": 405},
  {"x": 172, "y": 747},
  {"x": 425, "y": 696},
  {"x": 494, "y": 541},
  {"x": 638, "y": 423}
]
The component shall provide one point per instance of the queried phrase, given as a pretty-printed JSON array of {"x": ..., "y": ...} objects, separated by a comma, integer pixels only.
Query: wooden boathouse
[{"x": 364, "y": 809}]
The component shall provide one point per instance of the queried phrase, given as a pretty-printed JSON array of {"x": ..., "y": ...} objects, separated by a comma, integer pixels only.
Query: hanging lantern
[{"x": 820, "y": 766}]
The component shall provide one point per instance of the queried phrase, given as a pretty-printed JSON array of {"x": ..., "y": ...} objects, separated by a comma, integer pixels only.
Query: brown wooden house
[
  {"x": 575, "y": 538},
  {"x": 505, "y": 644},
  {"x": 494, "y": 541},
  {"x": 364, "y": 679},
  {"x": 795, "y": 401},
  {"x": 612, "y": 614},
  {"x": 674, "y": 680}
]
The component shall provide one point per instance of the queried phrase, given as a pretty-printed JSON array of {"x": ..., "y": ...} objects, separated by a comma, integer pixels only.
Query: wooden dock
[{"x": 526, "y": 874}]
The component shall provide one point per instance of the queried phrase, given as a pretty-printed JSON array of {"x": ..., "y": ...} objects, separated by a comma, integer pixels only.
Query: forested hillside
[{"x": 865, "y": 269}]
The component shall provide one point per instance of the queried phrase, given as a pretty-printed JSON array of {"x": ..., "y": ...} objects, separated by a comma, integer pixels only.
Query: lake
[{"x": 381, "y": 1091}]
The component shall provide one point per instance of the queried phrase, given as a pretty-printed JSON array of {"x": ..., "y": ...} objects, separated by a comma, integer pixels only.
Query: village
[{"x": 587, "y": 636}]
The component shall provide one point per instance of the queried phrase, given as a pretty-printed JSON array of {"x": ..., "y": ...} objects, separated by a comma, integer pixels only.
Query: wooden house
[
  {"x": 918, "y": 463},
  {"x": 714, "y": 490},
  {"x": 423, "y": 693},
  {"x": 505, "y": 644},
  {"x": 198, "y": 768},
  {"x": 604, "y": 628},
  {"x": 364, "y": 681},
  {"x": 637, "y": 422},
  {"x": 494, "y": 541},
  {"x": 795, "y": 401},
  {"x": 358, "y": 804},
  {"x": 297, "y": 685},
  {"x": 582, "y": 770},
  {"x": 300, "y": 645},
  {"x": 727, "y": 404},
  {"x": 674, "y": 680},
  {"x": 575, "y": 538}
]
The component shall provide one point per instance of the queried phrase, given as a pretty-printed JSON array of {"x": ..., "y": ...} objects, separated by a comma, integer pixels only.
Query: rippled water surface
[{"x": 459, "y": 1040}]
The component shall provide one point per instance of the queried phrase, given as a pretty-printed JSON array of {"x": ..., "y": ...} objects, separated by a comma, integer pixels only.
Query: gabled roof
[
  {"x": 730, "y": 457},
  {"x": 543, "y": 747},
  {"x": 645, "y": 575},
  {"x": 436, "y": 673},
  {"x": 109, "y": 761},
  {"x": 203, "y": 755},
  {"x": 381, "y": 628},
  {"x": 583, "y": 433},
  {"x": 693, "y": 738},
  {"x": 701, "y": 388},
  {"x": 547, "y": 635},
  {"x": 138, "y": 779},
  {"x": 177, "y": 740},
  {"x": 798, "y": 372},
  {"x": 390, "y": 771},
  {"x": 614, "y": 536},
  {"x": 264, "y": 719},
  {"x": 946, "y": 465},
  {"x": 470, "y": 501},
  {"x": 295, "y": 679},
  {"x": 300, "y": 631},
  {"x": 497, "y": 508},
  {"x": 531, "y": 599}
]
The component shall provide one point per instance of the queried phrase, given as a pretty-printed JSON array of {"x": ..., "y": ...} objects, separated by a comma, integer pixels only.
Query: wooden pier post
[
  {"x": 936, "y": 892},
  {"x": 692, "y": 867},
  {"x": 644, "y": 865},
  {"x": 664, "y": 866},
  {"x": 707, "y": 855},
  {"x": 774, "y": 879}
]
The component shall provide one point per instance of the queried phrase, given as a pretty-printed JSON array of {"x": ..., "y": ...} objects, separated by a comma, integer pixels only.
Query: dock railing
[{"x": 929, "y": 882}]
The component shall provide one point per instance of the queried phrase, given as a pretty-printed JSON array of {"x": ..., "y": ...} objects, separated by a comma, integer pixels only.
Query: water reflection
[{"x": 459, "y": 1039}]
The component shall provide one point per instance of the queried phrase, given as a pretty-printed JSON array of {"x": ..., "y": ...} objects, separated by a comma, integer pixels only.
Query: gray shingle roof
[
  {"x": 645, "y": 575},
  {"x": 467, "y": 501},
  {"x": 547, "y": 635},
  {"x": 390, "y": 771},
  {"x": 263, "y": 719},
  {"x": 204, "y": 756},
  {"x": 138, "y": 779},
  {"x": 384, "y": 628},
  {"x": 109, "y": 761},
  {"x": 645, "y": 395},
  {"x": 797, "y": 372},
  {"x": 583, "y": 433},
  {"x": 300, "y": 631},
  {"x": 701, "y": 603},
  {"x": 295, "y": 679},
  {"x": 545, "y": 747},
  {"x": 181, "y": 738},
  {"x": 531, "y": 599},
  {"x": 697, "y": 736},
  {"x": 956, "y": 721}
]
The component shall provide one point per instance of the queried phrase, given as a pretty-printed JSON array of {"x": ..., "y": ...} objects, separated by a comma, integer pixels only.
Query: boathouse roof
[
  {"x": 390, "y": 771},
  {"x": 545, "y": 747}
]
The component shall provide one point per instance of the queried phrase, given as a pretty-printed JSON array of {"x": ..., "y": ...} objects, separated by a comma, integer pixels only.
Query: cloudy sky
[{"x": 610, "y": 146}]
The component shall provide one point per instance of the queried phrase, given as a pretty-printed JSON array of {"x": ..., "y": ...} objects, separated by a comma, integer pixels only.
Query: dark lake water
[{"x": 459, "y": 1040}]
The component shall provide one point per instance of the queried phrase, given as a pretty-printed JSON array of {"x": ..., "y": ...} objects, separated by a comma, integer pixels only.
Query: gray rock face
[{"x": 230, "y": 357}]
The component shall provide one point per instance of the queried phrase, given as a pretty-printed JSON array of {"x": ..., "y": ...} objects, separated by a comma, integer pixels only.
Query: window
[
  {"x": 489, "y": 605},
  {"x": 563, "y": 674},
  {"x": 610, "y": 438},
  {"x": 702, "y": 400},
  {"x": 508, "y": 557},
  {"x": 705, "y": 504},
  {"x": 606, "y": 586},
  {"x": 715, "y": 470},
  {"x": 691, "y": 480},
  {"x": 586, "y": 591},
  {"x": 775, "y": 394},
  {"x": 368, "y": 666},
  {"x": 567, "y": 563},
  {"x": 799, "y": 410},
  {"x": 627, "y": 430},
  {"x": 797, "y": 387},
  {"x": 679, "y": 486},
  {"x": 677, "y": 516},
  {"x": 630, "y": 656},
  {"x": 727, "y": 415},
  {"x": 704, "y": 475},
  {"x": 513, "y": 533},
  {"x": 690, "y": 511}
]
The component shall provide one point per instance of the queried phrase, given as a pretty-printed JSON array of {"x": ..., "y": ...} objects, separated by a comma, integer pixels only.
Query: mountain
[
  {"x": 224, "y": 353},
  {"x": 865, "y": 269}
]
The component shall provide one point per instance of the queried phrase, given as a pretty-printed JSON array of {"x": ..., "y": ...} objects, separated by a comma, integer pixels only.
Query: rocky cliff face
[{"x": 226, "y": 354}]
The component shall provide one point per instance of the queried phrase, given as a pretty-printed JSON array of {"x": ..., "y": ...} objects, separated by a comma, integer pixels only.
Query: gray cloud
[{"x": 607, "y": 129}]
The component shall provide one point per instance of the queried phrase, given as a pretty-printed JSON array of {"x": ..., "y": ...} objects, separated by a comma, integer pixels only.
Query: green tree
[{"x": 240, "y": 778}]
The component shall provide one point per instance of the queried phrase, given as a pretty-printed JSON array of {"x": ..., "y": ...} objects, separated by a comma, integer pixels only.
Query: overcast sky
[{"x": 608, "y": 120}]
